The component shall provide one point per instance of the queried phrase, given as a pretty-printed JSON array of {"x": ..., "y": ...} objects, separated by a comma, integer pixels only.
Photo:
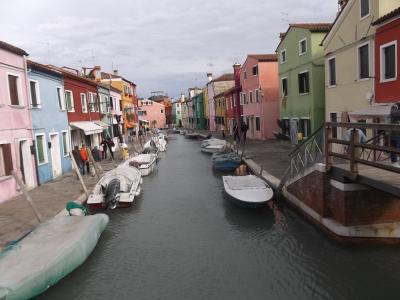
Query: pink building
[
  {"x": 15, "y": 122},
  {"x": 152, "y": 112},
  {"x": 260, "y": 96}
]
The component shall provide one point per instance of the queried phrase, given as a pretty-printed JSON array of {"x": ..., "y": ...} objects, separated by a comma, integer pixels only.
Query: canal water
[{"x": 183, "y": 239}]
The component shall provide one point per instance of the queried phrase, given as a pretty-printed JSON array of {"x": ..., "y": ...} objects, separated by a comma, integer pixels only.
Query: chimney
[
  {"x": 209, "y": 76},
  {"x": 96, "y": 73},
  {"x": 236, "y": 74},
  {"x": 115, "y": 72},
  {"x": 182, "y": 97}
]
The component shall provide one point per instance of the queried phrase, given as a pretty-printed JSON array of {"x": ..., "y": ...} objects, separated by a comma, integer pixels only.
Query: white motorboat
[
  {"x": 248, "y": 191},
  {"x": 213, "y": 148},
  {"x": 49, "y": 253},
  {"x": 151, "y": 147},
  {"x": 212, "y": 141},
  {"x": 118, "y": 187},
  {"x": 146, "y": 163}
]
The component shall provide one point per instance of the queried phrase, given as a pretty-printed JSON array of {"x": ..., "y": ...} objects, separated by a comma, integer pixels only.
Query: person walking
[
  {"x": 78, "y": 159},
  {"x": 236, "y": 136},
  {"x": 85, "y": 159},
  {"x": 244, "y": 129},
  {"x": 104, "y": 145},
  {"x": 111, "y": 147}
]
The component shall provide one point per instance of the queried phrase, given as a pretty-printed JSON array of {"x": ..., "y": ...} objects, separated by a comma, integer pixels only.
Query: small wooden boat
[
  {"x": 48, "y": 254},
  {"x": 247, "y": 191},
  {"x": 146, "y": 163},
  {"x": 117, "y": 188},
  {"x": 226, "y": 161}
]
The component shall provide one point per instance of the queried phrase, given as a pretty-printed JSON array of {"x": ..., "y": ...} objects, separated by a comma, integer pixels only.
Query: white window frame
[
  {"x": 92, "y": 107},
  {"x": 255, "y": 66},
  {"x": 38, "y": 98},
  {"x": 309, "y": 83},
  {"x": 241, "y": 99},
  {"x": 257, "y": 95},
  {"x": 67, "y": 141},
  {"x": 82, "y": 106},
  {"x": 287, "y": 87},
  {"x": 62, "y": 97},
  {"x": 369, "y": 61},
  {"x": 305, "y": 52},
  {"x": 234, "y": 100},
  {"x": 329, "y": 72},
  {"x": 19, "y": 90},
  {"x": 281, "y": 56},
  {"x": 3, "y": 177},
  {"x": 72, "y": 101},
  {"x": 382, "y": 67},
  {"x": 369, "y": 11},
  {"x": 46, "y": 158}
]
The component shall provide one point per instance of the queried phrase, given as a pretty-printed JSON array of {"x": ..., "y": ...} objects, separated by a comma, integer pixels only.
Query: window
[
  {"x": 35, "y": 96},
  {"x": 13, "y": 85},
  {"x": 332, "y": 71},
  {"x": 251, "y": 96},
  {"x": 258, "y": 124},
  {"x": 245, "y": 75},
  {"x": 111, "y": 106},
  {"x": 333, "y": 117},
  {"x": 257, "y": 95},
  {"x": 363, "y": 61},
  {"x": 244, "y": 98},
  {"x": 41, "y": 150},
  {"x": 69, "y": 100},
  {"x": 96, "y": 102},
  {"x": 92, "y": 107},
  {"x": 234, "y": 100},
  {"x": 162, "y": 111},
  {"x": 84, "y": 103},
  {"x": 61, "y": 103},
  {"x": 283, "y": 56},
  {"x": 303, "y": 46},
  {"x": 364, "y": 8},
  {"x": 255, "y": 70},
  {"x": 305, "y": 127},
  {"x": 65, "y": 143},
  {"x": 284, "y": 87},
  {"x": 6, "y": 164},
  {"x": 304, "y": 83},
  {"x": 389, "y": 61}
]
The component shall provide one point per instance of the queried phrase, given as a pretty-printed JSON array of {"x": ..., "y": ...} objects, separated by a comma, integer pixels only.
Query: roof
[
  {"x": 37, "y": 66},
  {"x": 105, "y": 75},
  {"x": 220, "y": 95},
  {"x": 345, "y": 5},
  {"x": 224, "y": 77},
  {"x": 392, "y": 14},
  {"x": 264, "y": 57},
  {"x": 312, "y": 27},
  {"x": 69, "y": 74},
  {"x": 87, "y": 127},
  {"x": 13, "y": 49},
  {"x": 231, "y": 90}
]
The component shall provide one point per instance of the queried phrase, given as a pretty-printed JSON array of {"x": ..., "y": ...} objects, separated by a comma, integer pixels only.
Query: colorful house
[
  {"x": 177, "y": 113},
  {"x": 189, "y": 105},
  {"x": 260, "y": 97},
  {"x": 16, "y": 140},
  {"x": 105, "y": 109},
  {"x": 349, "y": 60},
  {"x": 233, "y": 105},
  {"x": 220, "y": 114},
  {"x": 302, "y": 79},
  {"x": 198, "y": 111},
  {"x": 49, "y": 121},
  {"x": 387, "y": 58},
  {"x": 116, "y": 112},
  {"x": 216, "y": 87},
  {"x": 166, "y": 100},
  {"x": 153, "y": 113},
  {"x": 206, "y": 110}
]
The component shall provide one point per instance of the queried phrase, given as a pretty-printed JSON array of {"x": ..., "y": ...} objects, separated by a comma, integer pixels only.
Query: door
[
  {"x": 55, "y": 155},
  {"x": 252, "y": 126},
  {"x": 26, "y": 165}
]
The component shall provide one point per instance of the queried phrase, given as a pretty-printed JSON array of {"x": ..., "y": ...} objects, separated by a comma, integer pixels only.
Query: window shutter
[{"x": 8, "y": 163}]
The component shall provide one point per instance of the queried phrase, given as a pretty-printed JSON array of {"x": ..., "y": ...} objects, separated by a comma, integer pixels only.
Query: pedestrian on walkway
[
  {"x": 223, "y": 131},
  {"x": 244, "y": 129},
  {"x": 78, "y": 159},
  {"x": 104, "y": 145},
  {"x": 85, "y": 158},
  {"x": 111, "y": 147},
  {"x": 236, "y": 136}
]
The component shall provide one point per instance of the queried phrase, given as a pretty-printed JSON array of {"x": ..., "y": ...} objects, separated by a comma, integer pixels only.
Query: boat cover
[
  {"x": 245, "y": 182},
  {"x": 50, "y": 252}
]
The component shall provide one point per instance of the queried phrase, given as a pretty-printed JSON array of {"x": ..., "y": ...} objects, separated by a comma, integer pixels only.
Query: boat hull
[{"x": 227, "y": 166}]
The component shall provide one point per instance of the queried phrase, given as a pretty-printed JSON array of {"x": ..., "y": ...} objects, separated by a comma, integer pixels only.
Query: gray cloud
[{"x": 160, "y": 44}]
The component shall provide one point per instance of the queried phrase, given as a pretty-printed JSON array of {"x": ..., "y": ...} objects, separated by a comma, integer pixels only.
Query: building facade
[
  {"x": 302, "y": 79},
  {"x": 198, "y": 111},
  {"x": 220, "y": 113},
  {"x": 49, "y": 121},
  {"x": 260, "y": 97},
  {"x": 153, "y": 113},
  {"x": 16, "y": 136}
]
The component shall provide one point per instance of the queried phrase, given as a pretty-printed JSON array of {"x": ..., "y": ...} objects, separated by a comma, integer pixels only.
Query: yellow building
[
  {"x": 220, "y": 113},
  {"x": 206, "y": 110}
]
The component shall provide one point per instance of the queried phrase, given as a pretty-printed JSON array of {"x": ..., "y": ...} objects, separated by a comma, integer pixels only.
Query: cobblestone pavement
[{"x": 16, "y": 215}]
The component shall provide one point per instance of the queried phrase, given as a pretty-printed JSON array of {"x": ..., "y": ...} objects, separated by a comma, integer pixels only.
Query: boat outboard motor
[{"x": 110, "y": 195}]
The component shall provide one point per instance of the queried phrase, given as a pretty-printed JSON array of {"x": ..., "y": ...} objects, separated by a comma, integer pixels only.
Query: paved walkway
[{"x": 17, "y": 217}]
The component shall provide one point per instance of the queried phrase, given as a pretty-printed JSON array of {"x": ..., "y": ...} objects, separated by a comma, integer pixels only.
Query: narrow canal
[{"x": 184, "y": 240}]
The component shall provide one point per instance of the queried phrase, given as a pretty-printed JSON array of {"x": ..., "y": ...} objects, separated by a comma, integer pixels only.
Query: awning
[
  {"x": 87, "y": 127},
  {"x": 102, "y": 124},
  {"x": 376, "y": 111}
]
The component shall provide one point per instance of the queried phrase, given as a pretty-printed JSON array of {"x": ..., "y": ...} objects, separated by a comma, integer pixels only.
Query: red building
[
  {"x": 83, "y": 108},
  {"x": 387, "y": 58}
]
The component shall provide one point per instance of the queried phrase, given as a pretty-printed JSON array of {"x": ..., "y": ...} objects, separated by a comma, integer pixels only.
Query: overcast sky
[{"x": 165, "y": 45}]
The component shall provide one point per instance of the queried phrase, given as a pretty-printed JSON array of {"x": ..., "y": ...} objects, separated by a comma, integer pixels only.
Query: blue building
[{"x": 49, "y": 121}]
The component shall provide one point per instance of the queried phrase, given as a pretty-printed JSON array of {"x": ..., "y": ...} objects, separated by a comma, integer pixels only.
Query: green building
[
  {"x": 198, "y": 112},
  {"x": 302, "y": 79}
]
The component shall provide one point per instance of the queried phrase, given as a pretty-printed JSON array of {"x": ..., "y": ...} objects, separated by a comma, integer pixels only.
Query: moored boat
[
  {"x": 144, "y": 162},
  {"x": 48, "y": 254},
  {"x": 117, "y": 188},
  {"x": 247, "y": 191},
  {"x": 226, "y": 161}
]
